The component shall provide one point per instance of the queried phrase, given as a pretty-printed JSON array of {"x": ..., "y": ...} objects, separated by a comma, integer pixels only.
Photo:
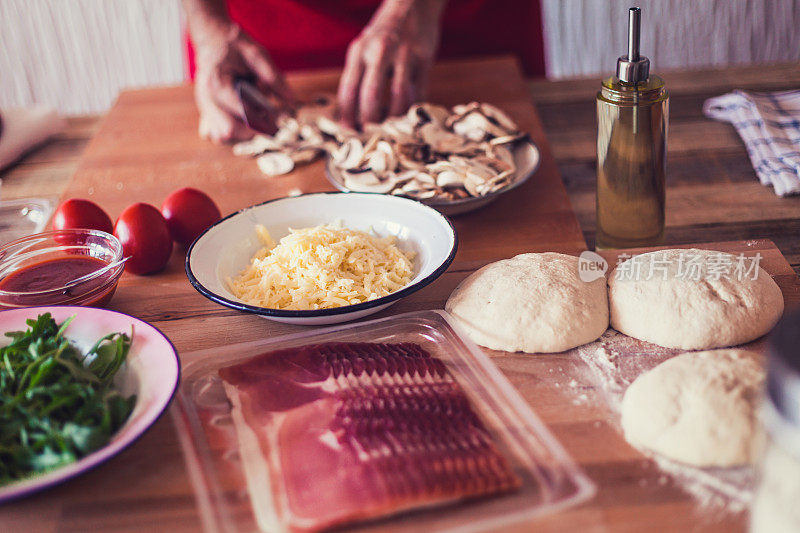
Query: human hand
[
  {"x": 224, "y": 53},
  {"x": 387, "y": 65}
]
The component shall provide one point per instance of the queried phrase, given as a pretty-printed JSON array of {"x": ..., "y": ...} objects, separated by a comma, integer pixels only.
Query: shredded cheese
[{"x": 322, "y": 267}]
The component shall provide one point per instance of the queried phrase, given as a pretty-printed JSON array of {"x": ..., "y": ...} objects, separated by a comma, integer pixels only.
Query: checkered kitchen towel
[{"x": 769, "y": 125}]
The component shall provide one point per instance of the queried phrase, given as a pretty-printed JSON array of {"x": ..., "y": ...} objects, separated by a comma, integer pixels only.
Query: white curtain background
[
  {"x": 584, "y": 37},
  {"x": 77, "y": 54}
]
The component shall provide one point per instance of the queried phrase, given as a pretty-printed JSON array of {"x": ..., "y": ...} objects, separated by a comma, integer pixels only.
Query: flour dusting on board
[{"x": 615, "y": 361}]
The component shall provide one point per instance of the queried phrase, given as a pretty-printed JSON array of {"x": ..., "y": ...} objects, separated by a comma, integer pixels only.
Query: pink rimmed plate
[{"x": 152, "y": 372}]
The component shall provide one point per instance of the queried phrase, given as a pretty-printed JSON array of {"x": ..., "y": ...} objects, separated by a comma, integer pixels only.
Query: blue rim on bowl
[{"x": 314, "y": 313}]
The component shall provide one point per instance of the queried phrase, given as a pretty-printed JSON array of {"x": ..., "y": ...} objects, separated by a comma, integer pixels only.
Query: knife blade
[{"x": 260, "y": 114}]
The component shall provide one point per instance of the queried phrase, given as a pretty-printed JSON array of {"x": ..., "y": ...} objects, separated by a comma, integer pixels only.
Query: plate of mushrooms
[{"x": 455, "y": 160}]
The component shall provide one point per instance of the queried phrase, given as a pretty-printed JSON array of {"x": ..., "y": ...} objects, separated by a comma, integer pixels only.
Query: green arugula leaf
[{"x": 56, "y": 403}]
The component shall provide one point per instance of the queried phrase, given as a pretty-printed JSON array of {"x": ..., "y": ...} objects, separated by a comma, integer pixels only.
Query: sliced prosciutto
[{"x": 344, "y": 432}]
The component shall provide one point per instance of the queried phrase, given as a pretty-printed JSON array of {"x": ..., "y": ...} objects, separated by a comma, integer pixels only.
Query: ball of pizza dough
[
  {"x": 531, "y": 303},
  {"x": 693, "y": 299},
  {"x": 697, "y": 408}
]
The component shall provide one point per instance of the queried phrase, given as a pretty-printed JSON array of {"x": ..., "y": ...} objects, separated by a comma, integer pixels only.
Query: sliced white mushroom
[
  {"x": 382, "y": 159},
  {"x": 275, "y": 163},
  {"x": 372, "y": 140},
  {"x": 497, "y": 186},
  {"x": 414, "y": 186},
  {"x": 500, "y": 118},
  {"x": 411, "y": 155},
  {"x": 450, "y": 178},
  {"x": 405, "y": 163},
  {"x": 473, "y": 183},
  {"x": 288, "y": 123},
  {"x": 461, "y": 110},
  {"x": 504, "y": 155},
  {"x": 475, "y": 166},
  {"x": 311, "y": 135},
  {"x": 328, "y": 126},
  {"x": 403, "y": 177},
  {"x": 499, "y": 181},
  {"x": 476, "y": 127},
  {"x": 367, "y": 182},
  {"x": 363, "y": 177},
  {"x": 440, "y": 166},
  {"x": 305, "y": 154},
  {"x": 440, "y": 139},
  {"x": 426, "y": 113},
  {"x": 425, "y": 195},
  {"x": 398, "y": 128},
  {"x": 468, "y": 149},
  {"x": 506, "y": 139},
  {"x": 329, "y": 147},
  {"x": 492, "y": 163},
  {"x": 426, "y": 179},
  {"x": 255, "y": 146},
  {"x": 430, "y": 152},
  {"x": 377, "y": 162},
  {"x": 288, "y": 133},
  {"x": 349, "y": 155}
]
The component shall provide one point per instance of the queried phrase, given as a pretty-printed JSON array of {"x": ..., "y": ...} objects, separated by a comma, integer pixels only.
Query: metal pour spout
[{"x": 633, "y": 68}]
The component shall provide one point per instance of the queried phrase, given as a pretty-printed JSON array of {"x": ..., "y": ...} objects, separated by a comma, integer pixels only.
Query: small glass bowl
[{"x": 95, "y": 289}]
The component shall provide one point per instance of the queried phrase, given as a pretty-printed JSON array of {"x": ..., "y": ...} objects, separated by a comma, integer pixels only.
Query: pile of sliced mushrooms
[{"x": 430, "y": 153}]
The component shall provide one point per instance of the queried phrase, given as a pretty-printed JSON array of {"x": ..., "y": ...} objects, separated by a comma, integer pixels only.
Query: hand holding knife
[{"x": 260, "y": 113}]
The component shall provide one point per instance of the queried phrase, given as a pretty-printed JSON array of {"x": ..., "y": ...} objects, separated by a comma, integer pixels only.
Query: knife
[{"x": 260, "y": 114}]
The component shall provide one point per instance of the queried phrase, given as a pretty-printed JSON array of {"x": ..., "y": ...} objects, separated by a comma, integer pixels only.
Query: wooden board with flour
[{"x": 592, "y": 379}]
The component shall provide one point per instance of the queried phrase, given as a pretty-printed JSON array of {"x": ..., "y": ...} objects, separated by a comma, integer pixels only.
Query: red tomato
[
  {"x": 145, "y": 238},
  {"x": 81, "y": 214},
  {"x": 188, "y": 213}
]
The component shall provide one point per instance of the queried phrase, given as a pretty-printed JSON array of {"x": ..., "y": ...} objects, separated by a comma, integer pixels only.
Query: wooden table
[{"x": 147, "y": 146}]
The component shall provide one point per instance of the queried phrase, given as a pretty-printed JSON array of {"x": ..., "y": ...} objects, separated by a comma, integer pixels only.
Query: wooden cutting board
[{"x": 634, "y": 494}]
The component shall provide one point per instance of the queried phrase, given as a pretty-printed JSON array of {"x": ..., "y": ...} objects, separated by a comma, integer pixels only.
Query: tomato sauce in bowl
[{"x": 65, "y": 267}]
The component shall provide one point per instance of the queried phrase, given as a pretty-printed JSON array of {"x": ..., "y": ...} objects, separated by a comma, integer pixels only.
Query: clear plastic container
[
  {"x": 550, "y": 479},
  {"x": 19, "y": 218}
]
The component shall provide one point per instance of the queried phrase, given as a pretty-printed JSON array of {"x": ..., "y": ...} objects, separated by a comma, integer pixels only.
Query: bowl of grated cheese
[{"x": 321, "y": 258}]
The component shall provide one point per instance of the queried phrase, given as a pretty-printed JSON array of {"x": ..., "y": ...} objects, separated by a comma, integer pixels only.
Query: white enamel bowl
[
  {"x": 225, "y": 249},
  {"x": 526, "y": 158},
  {"x": 151, "y": 372}
]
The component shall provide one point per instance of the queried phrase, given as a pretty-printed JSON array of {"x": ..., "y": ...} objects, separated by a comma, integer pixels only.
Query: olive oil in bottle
[{"x": 632, "y": 118}]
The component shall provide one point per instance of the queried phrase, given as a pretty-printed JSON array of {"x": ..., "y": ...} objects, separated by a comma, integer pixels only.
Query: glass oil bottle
[{"x": 632, "y": 118}]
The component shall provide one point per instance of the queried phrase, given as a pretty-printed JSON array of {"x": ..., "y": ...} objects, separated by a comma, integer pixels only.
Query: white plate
[
  {"x": 225, "y": 249},
  {"x": 151, "y": 372},
  {"x": 526, "y": 159}
]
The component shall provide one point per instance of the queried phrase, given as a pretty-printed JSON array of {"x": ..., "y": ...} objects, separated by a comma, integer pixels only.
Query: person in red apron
[{"x": 387, "y": 49}]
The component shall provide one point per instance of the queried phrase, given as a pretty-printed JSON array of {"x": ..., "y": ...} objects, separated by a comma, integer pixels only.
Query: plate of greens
[{"x": 77, "y": 386}]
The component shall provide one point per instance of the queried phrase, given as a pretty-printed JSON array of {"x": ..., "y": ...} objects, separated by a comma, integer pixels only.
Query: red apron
[{"x": 303, "y": 34}]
